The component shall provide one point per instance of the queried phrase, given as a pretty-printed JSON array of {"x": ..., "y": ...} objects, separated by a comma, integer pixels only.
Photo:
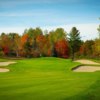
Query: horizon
[{"x": 17, "y": 15}]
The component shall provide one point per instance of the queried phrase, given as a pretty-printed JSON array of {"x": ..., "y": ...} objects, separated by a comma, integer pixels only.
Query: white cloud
[
  {"x": 87, "y": 31},
  {"x": 19, "y": 30}
]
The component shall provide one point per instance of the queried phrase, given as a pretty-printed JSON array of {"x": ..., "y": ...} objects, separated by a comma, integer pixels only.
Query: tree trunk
[
  {"x": 17, "y": 54},
  {"x": 72, "y": 54}
]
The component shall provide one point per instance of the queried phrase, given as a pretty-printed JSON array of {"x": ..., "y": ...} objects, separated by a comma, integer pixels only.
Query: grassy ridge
[{"x": 48, "y": 79}]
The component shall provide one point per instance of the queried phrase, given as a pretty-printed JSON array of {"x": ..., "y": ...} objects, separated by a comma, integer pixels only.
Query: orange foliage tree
[{"x": 43, "y": 45}]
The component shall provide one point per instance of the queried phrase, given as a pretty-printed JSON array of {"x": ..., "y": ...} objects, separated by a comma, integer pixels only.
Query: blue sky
[{"x": 20, "y": 14}]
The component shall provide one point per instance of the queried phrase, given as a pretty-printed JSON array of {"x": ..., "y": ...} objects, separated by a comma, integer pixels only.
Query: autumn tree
[
  {"x": 62, "y": 48},
  {"x": 31, "y": 45},
  {"x": 24, "y": 39},
  {"x": 17, "y": 46},
  {"x": 86, "y": 48},
  {"x": 54, "y": 36},
  {"x": 52, "y": 42},
  {"x": 44, "y": 45},
  {"x": 96, "y": 48},
  {"x": 5, "y": 43}
]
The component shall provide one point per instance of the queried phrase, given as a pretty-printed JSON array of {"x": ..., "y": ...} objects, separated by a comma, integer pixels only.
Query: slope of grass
[{"x": 48, "y": 79}]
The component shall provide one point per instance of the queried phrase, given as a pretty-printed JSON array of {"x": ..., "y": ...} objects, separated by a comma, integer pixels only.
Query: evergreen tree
[{"x": 74, "y": 41}]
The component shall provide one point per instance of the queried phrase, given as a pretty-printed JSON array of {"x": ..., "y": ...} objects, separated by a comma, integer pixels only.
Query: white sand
[
  {"x": 5, "y": 64},
  {"x": 4, "y": 70},
  {"x": 87, "y": 62},
  {"x": 87, "y": 69}
]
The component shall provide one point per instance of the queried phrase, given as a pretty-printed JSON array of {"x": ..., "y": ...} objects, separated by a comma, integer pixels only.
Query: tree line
[{"x": 56, "y": 43}]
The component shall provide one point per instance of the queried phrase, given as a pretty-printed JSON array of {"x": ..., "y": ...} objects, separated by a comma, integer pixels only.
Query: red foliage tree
[
  {"x": 5, "y": 50},
  {"x": 82, "y": 49},
  {"x": 61, "y": 48}
]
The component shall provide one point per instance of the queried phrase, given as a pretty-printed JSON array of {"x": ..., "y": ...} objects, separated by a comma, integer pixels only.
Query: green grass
[
  {"x": 3, "y": 60},
  {"x": 48, "y": 79},
  {"x": 96, "y": 60}
]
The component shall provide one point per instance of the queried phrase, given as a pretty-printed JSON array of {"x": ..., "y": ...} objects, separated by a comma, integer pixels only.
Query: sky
[{"x": 16, "y": 15}]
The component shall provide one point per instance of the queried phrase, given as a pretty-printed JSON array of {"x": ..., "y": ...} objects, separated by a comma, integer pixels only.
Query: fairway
[{"x": 48, "y": 79}]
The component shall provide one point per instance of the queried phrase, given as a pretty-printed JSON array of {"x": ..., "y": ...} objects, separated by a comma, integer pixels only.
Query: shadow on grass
[{"x": 92, "y": 93}]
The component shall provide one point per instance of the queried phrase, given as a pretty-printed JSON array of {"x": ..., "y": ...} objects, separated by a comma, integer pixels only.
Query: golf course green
[{"x": 48, "y": 79}]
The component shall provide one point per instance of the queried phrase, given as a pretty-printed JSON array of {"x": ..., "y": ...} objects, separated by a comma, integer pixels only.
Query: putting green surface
[{"x": 48, "y": 79}]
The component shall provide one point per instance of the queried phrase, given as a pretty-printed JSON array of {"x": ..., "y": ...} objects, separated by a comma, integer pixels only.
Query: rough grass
[
  {"x": 48, "y": 79},
  {"x": 2, "y": 60}
]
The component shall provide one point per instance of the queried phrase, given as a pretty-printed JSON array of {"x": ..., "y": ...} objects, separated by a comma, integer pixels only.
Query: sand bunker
[
  {"x": 87, "y": 69},
  {"x": 5, "y": 64},
  {"x": 4, "y": 70},
  {"x": 87, "y": 62}
]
